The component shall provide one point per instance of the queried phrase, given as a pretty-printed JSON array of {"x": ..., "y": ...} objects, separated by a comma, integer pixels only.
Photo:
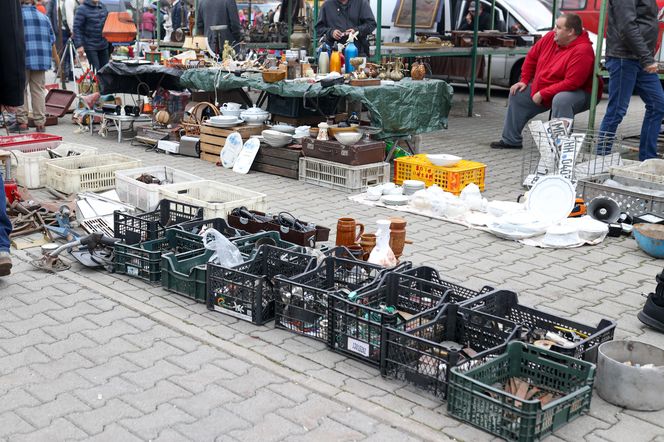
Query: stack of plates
[
  {"x": 412, "y": 186},
  {"x": 395, "y": 200},
  {"x": 225, "y": 121},
  {"x": 276, "y": 139}
]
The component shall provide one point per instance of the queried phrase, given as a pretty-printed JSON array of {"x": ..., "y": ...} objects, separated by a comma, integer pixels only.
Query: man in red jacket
[{"x": 557, "y": 74}]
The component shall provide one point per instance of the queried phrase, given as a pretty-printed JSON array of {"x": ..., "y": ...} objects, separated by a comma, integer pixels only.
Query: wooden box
[
  {"x": 214, "y": 138},
  {"x": 278, "y": 161}
]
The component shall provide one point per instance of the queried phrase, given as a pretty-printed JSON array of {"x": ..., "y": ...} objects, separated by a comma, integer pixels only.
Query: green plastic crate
[
  {"x": 185, "y": 273},
  {"x": 472, "y": 396}
]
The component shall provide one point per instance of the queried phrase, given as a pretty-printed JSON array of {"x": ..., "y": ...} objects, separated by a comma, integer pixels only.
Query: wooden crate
[
  {"x": 214, "y": 138},
  {"x": 210, "y": 158},
  {"x": 278, "y": 161}
]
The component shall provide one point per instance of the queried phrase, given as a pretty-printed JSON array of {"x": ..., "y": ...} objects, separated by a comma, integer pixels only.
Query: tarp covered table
[
  {"x": 117, "y": 78},
  {"x": 404, "y": 108}
]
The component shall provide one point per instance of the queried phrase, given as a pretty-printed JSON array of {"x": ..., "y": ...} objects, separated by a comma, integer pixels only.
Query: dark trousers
[
  {"x": 5, "y": 224},
  {"x": 97, "y": 59}
]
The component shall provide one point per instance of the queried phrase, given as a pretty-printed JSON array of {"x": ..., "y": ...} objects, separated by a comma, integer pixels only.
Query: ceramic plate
[
  {"x": 231, "y": 150},
  {"x": 395, "y": 200},
  {"x": 226, "y": 125},
  {"x": 246, "y": 157},
  {"x": 551, "y": 198}
]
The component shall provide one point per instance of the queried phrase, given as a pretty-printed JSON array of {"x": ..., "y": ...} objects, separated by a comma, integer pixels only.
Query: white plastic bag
[
  {"x": 226, "y": 253},
  {"x": 382, "y": 254}
]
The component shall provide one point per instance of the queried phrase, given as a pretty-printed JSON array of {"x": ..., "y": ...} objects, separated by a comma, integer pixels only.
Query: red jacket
[{"x": 554, "y": 69}]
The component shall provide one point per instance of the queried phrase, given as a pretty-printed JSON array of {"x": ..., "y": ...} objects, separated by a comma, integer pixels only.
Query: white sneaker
[{"x": 5, "y": 264}]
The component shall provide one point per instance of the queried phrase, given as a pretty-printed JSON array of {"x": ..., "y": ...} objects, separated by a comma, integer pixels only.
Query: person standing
[
  {"x": 338, "y": 18},
  {"x": 39, "y": 40},
  {"x": 631, "y": 40},
  {"x": 217, "y": 13},
  {"x": 88, "y": 27},
  {"x": 66, "y": 11},
  {"x": 179, "y": 15},
  {"x": 12, "y": 84},
  {"x": 469, "y": 22},
  {"x": 148, "y": 23}
]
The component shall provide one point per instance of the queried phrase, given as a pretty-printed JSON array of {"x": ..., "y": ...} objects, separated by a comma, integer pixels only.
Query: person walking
[
  {"x": 12, "y": 84},
  {"x": 39, "y": 39},
  {"x": 88, "y": 27},
  {"x": 218, "y": 13},
  {"x": 557, "y": 74},
  {"x": 631, "y": 40},
  {"x": 338, "y": 18},
  {"x": 148, "y": 23}
]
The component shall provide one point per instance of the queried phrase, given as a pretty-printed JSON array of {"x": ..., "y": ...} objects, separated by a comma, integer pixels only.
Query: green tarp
[{"x": 405, "y": 108}]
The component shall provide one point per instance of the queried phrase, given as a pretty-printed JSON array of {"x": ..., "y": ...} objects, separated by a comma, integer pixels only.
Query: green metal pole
[
  {"x": 473, "y": 61},
  {"x": 290, "y": 21},
  {"x": 490, "y": 57},
  {"x": 315, "y": 21},
  {"x": 379, "y": 11},
  {"x": 554, "y": 12},
  {"x": 413, "y": 16},
  {"x": 598, "y": 55}
]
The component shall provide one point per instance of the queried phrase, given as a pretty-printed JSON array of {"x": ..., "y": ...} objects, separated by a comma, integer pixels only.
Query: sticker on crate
[
  {"x": 233, "y": 308},
  {"x": 358, "y": 347}
]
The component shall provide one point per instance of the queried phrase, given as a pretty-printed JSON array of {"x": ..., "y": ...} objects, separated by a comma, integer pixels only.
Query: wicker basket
[{"x": 192, "y": 120}]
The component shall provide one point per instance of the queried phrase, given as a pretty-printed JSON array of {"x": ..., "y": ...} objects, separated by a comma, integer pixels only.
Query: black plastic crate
[
  {"x": 143, "y": 260},
  {"x": 133, "y": 229},
  {"x": 294, "y": 107},
  {"x": 197, "y": 227},
  {"x": 247, "y": 291},
  {"x": 422, "y": 350},
  {"x": 505, "y": 304},
  {"x": 250, "y": 244},
  {"x": 302, "y": 302}
]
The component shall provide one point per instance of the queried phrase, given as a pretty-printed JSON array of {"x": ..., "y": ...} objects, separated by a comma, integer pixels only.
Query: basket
[
  {"x": 473, "y": 398},
  {"x": 650, "y": 170},
  {"x": 186, "y": 273},
  {"x": 505, "y": 304},
  {"x": 356, "y": 321},
  {"x": 28, "y": 167},
  {"x": 26, "y": 143},
  {"x": 133, "y": 229},
  {"x": 353, "y": 179},
  {"x": 146, "y": 196},
  {"x": 451, "y": 179},
  {"x": 422, "y": 350},
  {"x": 247, "y": 291},
  {"x": 194, "y": 117},
  {"x": 302, "y": 302},
  {"x": 217, "y": 199},
  {"x": 143, "y": 260},
  {"x": 91, "y": 173},
  {"x": 631, "y": 202}
]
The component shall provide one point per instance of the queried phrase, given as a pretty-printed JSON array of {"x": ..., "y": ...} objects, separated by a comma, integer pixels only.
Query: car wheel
[{"x": 515, "y": 75}]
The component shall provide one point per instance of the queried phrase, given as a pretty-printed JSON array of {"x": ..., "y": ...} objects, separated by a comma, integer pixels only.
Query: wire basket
[{"x": 577, "y": 156}]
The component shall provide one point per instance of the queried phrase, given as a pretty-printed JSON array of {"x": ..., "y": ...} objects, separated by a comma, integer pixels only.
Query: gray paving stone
[
  {"x": 63, "y": 331},
  {"x": 200, "y": 404},
  {"x": 44, "y": 414},
  {"x": 149, "y": 426},
  {"x": 310, "y": 414},
  {"x": 60, "y": 348},
  {"x": 196, "y": 381},
  {"x": 630, "y": 428},
  {"x": 149, "y": 377},
  {"x": 234, "y": 365},
  {"x": 94, "y": 421},
  {"x": 19, "y": 378},
  {"x": 384, "y": 433},
  {"x": 329, "y": 430},
  {"x": 195, "y": 359},
  {"x": 271, "y": 428},
  {"x": 295, "y": 392},
  {"x": 11, "y": 423},
  {"x": 581, "y": 427},
  {"x": 219, "y": 423},
  {"x": 147, "y": 339},
  {"x": 113, "y": 367},
  {"x": 102, "y": 353},
  {"x": 110, "y": 316},
  {"x": 148, "y": 400},
  {"x": 98, "y": 395},
  {"x": 37, "y": 321},
  {"x": 15, "y": 344},
  {"x": 147, "y": 357},
  {"x": 114, "y": 433},
  {"x": 394, "y": 403},
  {"x": 328, "y": 376},
  {"x": 48, "y": 391},
  {"x": 25, "y": 357},
  {"x": 254, "y": 408},
  {"x": 102, "y": 335},
  {"x": 362, "y": 389}
]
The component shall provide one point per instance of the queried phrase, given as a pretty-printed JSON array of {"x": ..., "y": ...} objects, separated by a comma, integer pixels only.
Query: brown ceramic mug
[
  {"x": 356, "y": 250},
  {"x": 368, "y": 242},
  {"x": 347, "y": 232}
]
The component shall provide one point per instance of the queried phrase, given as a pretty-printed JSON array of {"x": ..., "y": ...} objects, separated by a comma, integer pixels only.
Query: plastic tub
[
  {"x": 34, "y": 142},
  {"x": 217, "y": 199},
  {"x": 86, "y": 173},
  {"x": 146, "y": 196},
  {"x": 28, "y": 167}
]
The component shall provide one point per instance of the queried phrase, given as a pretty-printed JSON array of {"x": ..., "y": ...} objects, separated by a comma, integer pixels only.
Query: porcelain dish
[
  {"x": 443, "y": 159},
  {"x": 551, "y": 198},
  {"x": 395, "y": 200}
]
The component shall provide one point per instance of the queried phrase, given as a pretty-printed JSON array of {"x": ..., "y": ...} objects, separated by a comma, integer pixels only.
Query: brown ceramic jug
[
  {"x": 347, "y": 231},
  {"x": 397, "y": 236},
  {"x": 368, "y": 242}
]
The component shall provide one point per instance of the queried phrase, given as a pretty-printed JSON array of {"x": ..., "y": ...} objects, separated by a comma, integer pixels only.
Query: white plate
[
  {"x": 246, "y": 158},
  {"x": 226, "y": 125},
  {"x": 231, "y": 150},
  {"x": 515, "y": 235},
  {"x": 551, "y": 198},
  {"x": 395, "y": 200},
  {"x": 443, "y": 159}
]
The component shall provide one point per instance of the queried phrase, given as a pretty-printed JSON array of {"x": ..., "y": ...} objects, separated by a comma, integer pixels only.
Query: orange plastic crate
[{"x": 451, "y": 179}]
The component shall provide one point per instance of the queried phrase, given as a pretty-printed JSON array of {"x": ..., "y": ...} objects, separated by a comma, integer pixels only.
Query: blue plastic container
[{"x": 650, "y": 238}]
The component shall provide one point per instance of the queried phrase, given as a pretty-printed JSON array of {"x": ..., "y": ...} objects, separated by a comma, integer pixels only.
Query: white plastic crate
[
  {"x": 342, "y": 177},
  {"x": 217, "y": 199},
  {"x": 28, "y": 167},
  {"x": 146, "y": 196},
  {"x": 90, "y": 173},
  {"x": 32, "y": 142},
  {"x": 649, "y": 170}
]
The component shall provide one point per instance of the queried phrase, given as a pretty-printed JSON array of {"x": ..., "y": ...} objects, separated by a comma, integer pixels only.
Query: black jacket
[
  {"x": 179, "y": 15},
  {"x": 88, "y": 26},
  {"x": 485, "y": 23},
  {"x": 216, "y": 13},
  {"x": 12, "y": 54},
  {"x": 632, "y": 30},
  {"x": 356, "y": 14}
]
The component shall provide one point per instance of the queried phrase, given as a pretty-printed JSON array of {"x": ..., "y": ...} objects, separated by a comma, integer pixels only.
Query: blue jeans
[
  {"x": 5, "y": 224},
  {"x": 625, "y": 77}
]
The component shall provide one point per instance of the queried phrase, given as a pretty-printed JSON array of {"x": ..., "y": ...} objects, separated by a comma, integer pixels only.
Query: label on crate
[
  {"x": 132, "y": 271},
  {"x": 244, "y": 313},
  {"x": 358, "y": 347}
]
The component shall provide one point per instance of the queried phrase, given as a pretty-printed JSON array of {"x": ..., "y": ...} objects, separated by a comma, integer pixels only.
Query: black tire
[{"x": 515, "y": 75}]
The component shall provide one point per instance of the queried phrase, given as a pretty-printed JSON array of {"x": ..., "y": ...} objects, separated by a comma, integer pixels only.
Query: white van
[{"x": 531, "y": 15}]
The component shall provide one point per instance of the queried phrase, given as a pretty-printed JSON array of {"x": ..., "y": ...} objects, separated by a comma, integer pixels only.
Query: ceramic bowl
[
  {"x": 276, "y": 139},
  {"x": 443, "y": 159},
  {"x": 254, "y": 119},
  {"x": 348, "y": 138},
  {"x": 372, "y": 196},
  {"x": 393, "y": 191},
  {"x": 285, "y": 128},
  {"x": 231, "y": 112},
  {"x": 395, "y": 200}
]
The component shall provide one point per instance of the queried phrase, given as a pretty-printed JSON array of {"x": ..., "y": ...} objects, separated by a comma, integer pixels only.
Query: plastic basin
[{"x": 650, "y": 238}]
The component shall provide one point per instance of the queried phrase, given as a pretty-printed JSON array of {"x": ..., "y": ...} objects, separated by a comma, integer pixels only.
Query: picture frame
[{"x": 425, "y": 15}]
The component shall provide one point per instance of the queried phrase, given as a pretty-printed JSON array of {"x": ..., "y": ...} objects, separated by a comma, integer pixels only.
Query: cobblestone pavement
[{"x": 92, "y": 355}]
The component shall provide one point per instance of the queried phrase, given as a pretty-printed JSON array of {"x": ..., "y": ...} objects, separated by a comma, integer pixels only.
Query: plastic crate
[
  {"x": 422, "y": 350},
  {"x": 505, "y": 304},
  {"x": 473, "y": 397},
  {"x": 632, "y": 203},
  {"x": 302, "y": 302},
  {"x": 649, "y": 170},
  {"x": 353, "y": 179},
  {"x": 146, "y": 196},
  {"x": 427, "y": 281},
  {"x": 28, "y": 167},
  {"x": 197, "y": 227},
  {"x": 250, "y": 244},
  {"x": 217, "y": 199},
  {"x": 247, "y": 291},
  {"x": 136, "y": 228},
  {"x": 451, "y": 179},
  {"x": 186, "y": 273},
  {"x": 91, "y": 173},
  {"x": 34, "y": 142}
]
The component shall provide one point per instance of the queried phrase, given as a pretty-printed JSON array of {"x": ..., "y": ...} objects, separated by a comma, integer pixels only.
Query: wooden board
[
  {"x": 274, "y": 170},
  {"x": 211, "y": 149},
  {"x": 245, "y": 131},
  {"x": 214, "y": 159},
  {"x": 365, "y": 82},
  {"x": 278, "y": 161}
]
